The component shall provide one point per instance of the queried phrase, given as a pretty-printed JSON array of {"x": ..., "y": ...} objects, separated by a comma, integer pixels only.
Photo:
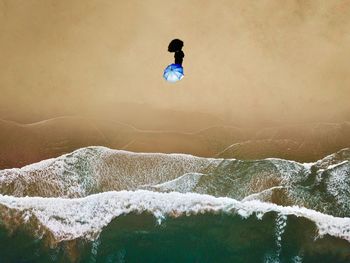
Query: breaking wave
[{"x": 103, "y": 205}]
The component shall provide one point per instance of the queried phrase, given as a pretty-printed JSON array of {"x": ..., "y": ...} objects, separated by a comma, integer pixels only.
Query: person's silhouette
[
  {"x": 175, "y": 72},
  {"x": 176, "y": 46}
]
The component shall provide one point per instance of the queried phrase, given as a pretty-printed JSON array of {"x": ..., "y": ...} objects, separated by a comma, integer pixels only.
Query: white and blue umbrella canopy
[{"x": 173, "y": 73}]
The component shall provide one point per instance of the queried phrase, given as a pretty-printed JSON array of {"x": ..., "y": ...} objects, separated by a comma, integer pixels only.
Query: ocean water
[{"x": 103, "y": 205}]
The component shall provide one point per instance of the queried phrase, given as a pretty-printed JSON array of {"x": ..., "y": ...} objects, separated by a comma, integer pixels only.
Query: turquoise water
[{"x": 201, "y": 238}]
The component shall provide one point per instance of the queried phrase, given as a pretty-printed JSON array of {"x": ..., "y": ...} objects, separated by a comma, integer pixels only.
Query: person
[
  {"x": 179, "y": 55},
  {"x": 176, "y": 46},
  {"x": 175, "y": 72}
]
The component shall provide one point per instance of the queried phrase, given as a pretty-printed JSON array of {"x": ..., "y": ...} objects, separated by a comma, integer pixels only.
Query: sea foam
[{"x": 68, "y": 219}]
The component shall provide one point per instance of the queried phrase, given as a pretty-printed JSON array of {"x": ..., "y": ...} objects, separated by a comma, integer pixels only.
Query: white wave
[
  {"x": 338, "y": 184},
  {"x": 332, "y": 160},
  {"x": 308, "y": 165},
  {"x": 287, "y": 168},
  {"x": 337, "y": 164},
  {"x": 183, "y": 184},
  {"x": 264, "y": 195},
  {"x": 97, "y": 169},
  {"x": 68, "y": 219}
]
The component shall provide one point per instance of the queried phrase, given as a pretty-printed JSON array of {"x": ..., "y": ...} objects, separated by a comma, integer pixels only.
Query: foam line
[{"x": 68, "y": 219}]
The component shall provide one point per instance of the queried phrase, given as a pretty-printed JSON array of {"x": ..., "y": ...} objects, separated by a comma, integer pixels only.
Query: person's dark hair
[{"x": 175, "y": 45}]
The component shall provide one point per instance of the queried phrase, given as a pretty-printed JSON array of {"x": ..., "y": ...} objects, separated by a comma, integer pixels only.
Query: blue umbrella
[{"x": 173, "y": 73}]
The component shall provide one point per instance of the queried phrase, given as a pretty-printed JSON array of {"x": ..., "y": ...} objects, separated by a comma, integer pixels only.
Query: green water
[{"x": 201, "y": 238}]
